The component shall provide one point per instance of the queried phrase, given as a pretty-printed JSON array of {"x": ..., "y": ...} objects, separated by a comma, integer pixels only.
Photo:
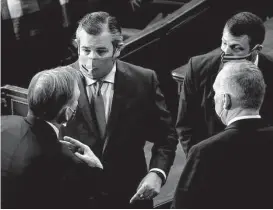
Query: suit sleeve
[
  {"x": 162, "y": 133},
  {"x": 189, "y": 114},
  {"x": 191, "y": 188}
]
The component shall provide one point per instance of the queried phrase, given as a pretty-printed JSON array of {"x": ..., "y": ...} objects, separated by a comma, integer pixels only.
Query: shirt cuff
[{"x": 161, "y": 171}]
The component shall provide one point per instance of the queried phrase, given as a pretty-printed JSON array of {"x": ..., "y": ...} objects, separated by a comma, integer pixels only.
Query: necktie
[{"x": 99, "y": 109}]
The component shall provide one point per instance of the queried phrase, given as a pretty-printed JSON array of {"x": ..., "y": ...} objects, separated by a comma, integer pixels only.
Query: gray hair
[
  {"x": 50, "y": 91},
  {"x": 95, "y": 23},
  {"x": 245, "y": 82}
]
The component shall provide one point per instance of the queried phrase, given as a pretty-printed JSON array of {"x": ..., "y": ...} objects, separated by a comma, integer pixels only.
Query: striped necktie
[{"x": 99, "y": 110}]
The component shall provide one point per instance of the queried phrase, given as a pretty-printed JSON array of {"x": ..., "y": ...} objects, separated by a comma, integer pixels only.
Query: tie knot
[{"x": 99, "y": 84}]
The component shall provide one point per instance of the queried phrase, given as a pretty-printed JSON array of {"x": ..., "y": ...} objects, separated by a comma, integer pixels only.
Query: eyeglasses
[{"x": 73, "y": 113}]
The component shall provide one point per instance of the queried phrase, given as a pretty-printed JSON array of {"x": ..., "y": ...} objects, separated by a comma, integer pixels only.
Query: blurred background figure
[{"x": 37, "y": 35}]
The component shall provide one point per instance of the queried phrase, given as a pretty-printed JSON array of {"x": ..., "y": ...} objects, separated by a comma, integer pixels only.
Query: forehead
[
  {"x": 242, "y": 40},
  {"x": 102, "y": 40}
]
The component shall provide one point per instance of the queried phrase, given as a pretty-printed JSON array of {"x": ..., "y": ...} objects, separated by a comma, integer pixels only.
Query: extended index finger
[{"x": 138, "y": 193}]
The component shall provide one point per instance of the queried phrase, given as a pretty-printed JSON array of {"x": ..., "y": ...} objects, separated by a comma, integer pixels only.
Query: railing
[{"x": 13, "y": 100}]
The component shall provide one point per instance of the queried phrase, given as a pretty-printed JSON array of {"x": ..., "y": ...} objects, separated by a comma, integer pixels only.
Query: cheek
[
  {"x": 83, "y": 59},
  {"x": 217, "y": 105}
]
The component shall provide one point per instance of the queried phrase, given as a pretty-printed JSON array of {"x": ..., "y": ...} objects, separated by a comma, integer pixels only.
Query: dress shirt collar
[
  {"x": 54, "y": 128},
  {"x": 110, "y": 77},
  {"x": 243, "y": 117}
]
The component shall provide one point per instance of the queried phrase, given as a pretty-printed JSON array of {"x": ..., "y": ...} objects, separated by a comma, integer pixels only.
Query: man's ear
[
  {"x": 117, "y": 52},
  {"x": 227, "y": 102}
]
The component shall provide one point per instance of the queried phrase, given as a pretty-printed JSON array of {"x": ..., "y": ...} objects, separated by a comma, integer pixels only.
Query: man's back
[
  {"x": 230, "y": 170},
  {"x": 36, "y": 170}
]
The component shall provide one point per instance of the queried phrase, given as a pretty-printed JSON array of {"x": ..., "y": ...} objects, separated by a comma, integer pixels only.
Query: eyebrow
[{"x": 90, "y": 47}]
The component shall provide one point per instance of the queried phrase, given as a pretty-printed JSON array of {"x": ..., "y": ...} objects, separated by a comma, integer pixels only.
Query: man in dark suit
[
  {"x": 242, "y": 37},
  {"x": 37, "y": 171},
  {"x": 120, "y": 108},
  {"x": 232, "y": 169}
]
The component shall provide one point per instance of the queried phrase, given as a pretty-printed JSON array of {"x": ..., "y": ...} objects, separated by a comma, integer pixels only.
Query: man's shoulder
[
  {"x": 228, "y": 136},
  {"x": 209, "y": 58},
  {"x": 202, "y": 66},
  {"x": 216, "y": 141},
  {"x": 14, "y": 130},
  {"x": 134, "y": 70},
  {"x": 12, "y": 122}
]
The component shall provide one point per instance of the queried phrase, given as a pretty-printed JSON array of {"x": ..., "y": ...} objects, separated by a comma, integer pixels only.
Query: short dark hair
[
  {"x": 94, "y": 24},
  {"x": 51, "y": 90},
  {"x": 246, "y": 23}
]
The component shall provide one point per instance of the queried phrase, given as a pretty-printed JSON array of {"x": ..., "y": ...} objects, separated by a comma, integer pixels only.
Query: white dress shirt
[{"x": 107, "y": 90}]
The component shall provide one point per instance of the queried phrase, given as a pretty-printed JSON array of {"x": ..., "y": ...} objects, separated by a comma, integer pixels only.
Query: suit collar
[
  {"x": 40, "y": 127},
  {"x": 248, "y": 124},
  {"x": 243, "y": 118},
  {"x": 122, "y": 91}
]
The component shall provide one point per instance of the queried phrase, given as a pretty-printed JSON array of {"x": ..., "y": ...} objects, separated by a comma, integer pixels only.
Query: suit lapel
[
  {"x": 121, "y": 95},
  {"x": 84, "y": 105}
]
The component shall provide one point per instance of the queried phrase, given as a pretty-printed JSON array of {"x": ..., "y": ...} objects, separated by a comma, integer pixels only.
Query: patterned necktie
[{"x": 99, "y": 109}]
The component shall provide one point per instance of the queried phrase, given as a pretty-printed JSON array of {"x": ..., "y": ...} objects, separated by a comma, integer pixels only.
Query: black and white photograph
[{"x": 136, "y": 104}]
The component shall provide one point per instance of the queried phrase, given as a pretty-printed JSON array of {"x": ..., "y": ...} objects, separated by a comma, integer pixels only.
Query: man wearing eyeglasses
[
  {"x": 37, "y": 171},
  {"x": 120, "y": 108},
  {"x": 242, "y": 37}
]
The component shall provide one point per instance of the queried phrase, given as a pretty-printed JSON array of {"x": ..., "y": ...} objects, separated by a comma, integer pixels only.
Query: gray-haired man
[
  {"x": 232, "y": 169},
  {"x": 37, "y": 171}
]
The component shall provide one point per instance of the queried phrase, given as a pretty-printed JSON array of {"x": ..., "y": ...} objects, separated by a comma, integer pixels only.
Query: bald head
[{"x": 244, "y": 82}]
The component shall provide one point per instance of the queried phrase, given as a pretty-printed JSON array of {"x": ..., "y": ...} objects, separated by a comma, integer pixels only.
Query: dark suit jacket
[
  {"x": 138, "y": 114},
  {"x": 37, "y": 171},
  {"x": 232, "y": 169},
  {"x": 196, "y": 118}
]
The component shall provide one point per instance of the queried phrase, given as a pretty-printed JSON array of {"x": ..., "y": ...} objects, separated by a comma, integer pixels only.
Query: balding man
[
  {"x": 37, "y": 171},
  {"x": 232, "y": 169}
]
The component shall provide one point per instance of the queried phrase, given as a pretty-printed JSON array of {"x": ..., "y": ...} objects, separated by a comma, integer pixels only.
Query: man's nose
[
  {"x": 92, "y": 55},
  {"x": 226, "y": 49}
]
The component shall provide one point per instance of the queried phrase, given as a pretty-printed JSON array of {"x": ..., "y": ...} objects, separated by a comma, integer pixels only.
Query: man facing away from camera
[
  {"x": 232, "y": 169},
  {"x": 37, "y": 171},
  {"x": 120, "y": 108},
  {"x": 242, "y": 37}
]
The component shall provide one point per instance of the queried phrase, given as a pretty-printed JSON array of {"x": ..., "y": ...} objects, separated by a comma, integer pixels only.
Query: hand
[
  {"x": 148, "y": 188},
  {"x": 135, "y": 4},
  {"x": 82, "y": 151}
]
